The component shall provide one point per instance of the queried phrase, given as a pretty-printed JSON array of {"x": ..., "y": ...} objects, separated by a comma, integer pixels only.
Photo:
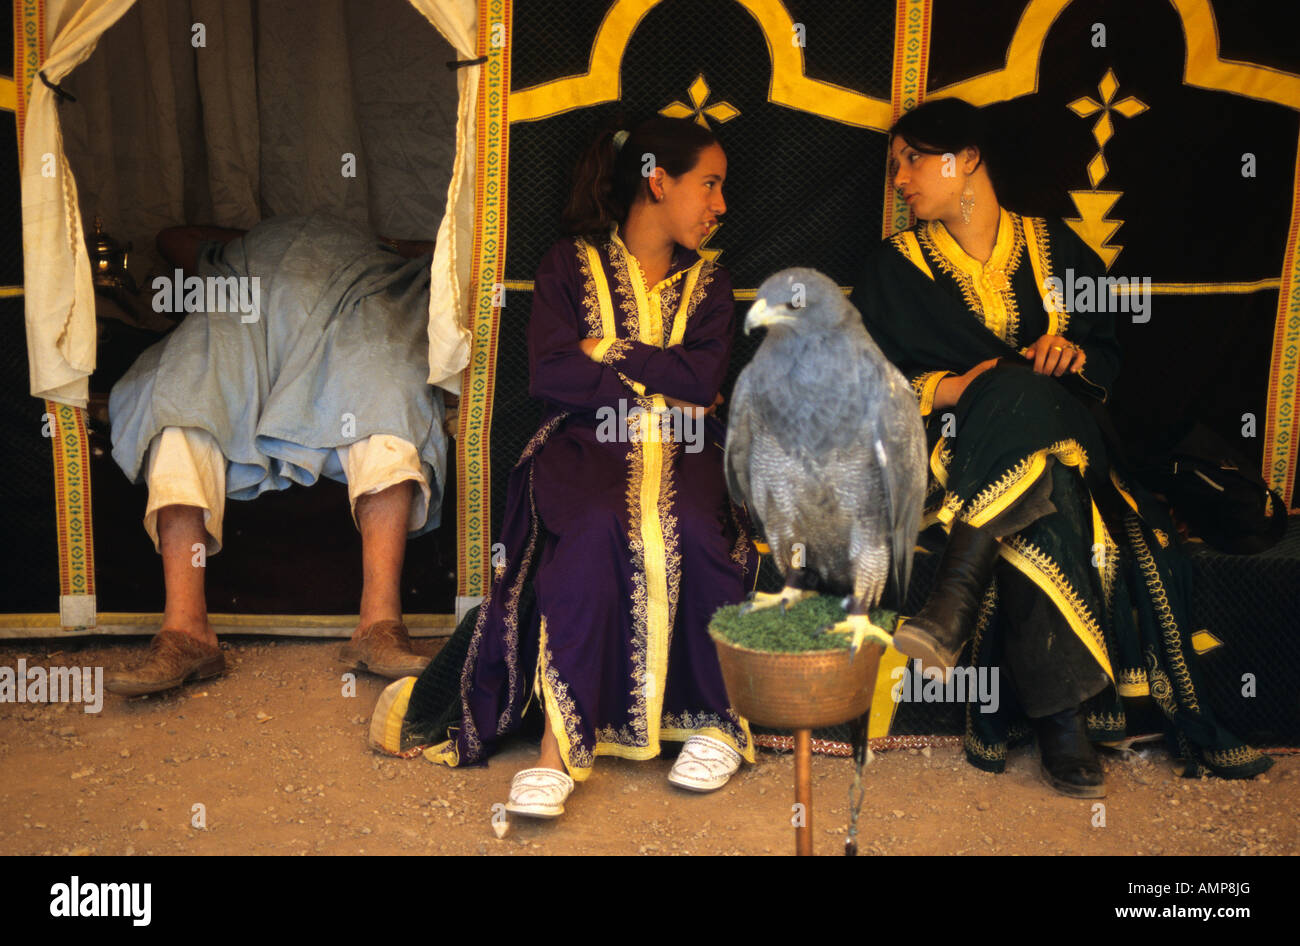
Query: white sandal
[
  {"x": 539, "y": 793},
  {"x": 704, "y": 764}
]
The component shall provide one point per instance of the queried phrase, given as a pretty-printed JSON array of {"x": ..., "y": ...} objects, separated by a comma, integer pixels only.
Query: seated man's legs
[
  {"x": 390, "y": 497},
  {"x": 186, "y": 475}
]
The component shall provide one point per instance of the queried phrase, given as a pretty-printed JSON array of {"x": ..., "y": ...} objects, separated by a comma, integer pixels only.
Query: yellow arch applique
[
  {"x": 1020, "y": 75},
  {"x": 789, "y": 86},
  {"x": 1204, "y": 69},
  {"x": 602, "y": 82}
]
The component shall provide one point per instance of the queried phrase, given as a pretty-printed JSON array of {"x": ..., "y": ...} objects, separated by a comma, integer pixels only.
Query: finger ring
[{"x": 1057, "y": 348}]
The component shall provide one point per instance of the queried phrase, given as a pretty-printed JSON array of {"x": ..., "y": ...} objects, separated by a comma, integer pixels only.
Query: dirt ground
[{"x": 275, "y": 754}]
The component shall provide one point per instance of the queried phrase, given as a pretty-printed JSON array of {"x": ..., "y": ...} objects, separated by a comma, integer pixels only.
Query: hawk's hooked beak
[{"x": 761, "y": 314}]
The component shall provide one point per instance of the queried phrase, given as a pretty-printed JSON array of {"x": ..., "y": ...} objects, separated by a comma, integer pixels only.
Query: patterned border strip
[
  {"x": 911, "y": 66},
  {"x": 844, "y": 749},
  {"x": 29, "y": 53},
  {"x": 1281, "y": 440},
  {"x": 473, "y": 445},
  {"x": 73, "y": 514}
]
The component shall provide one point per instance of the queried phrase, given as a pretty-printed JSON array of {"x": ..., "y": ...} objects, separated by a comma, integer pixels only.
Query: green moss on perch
[{"x": 798, "y": 629}]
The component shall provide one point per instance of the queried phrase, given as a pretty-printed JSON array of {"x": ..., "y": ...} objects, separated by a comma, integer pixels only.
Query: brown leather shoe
[
  {"x": 384, "y": 648},
  {"x": 174, "y": 658}
]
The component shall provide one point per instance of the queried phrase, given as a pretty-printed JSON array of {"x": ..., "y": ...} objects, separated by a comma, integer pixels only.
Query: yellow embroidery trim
[
  {"x": 597, "y": 270},
  {"x": 1119, "y": 485},
  {"x": 590, "y": 304},
  {"x": 940, "y": 457},
  {"x": 688, "y": 290},
  {"x": 1133, "y": 682},
  {"x": 561, "y": 711},
  {"x": 658, "y": 620},
  {"x": 1232, "y": 758},
  {"x": 983, "y": 750},
  {"x": 986, "y": 287},
  {"x": 615, "y": 352},
  {"x": 598, "y": 353},
  {"x": 1040, "y": 259},
  {"x": 1109, "y": 563},
  {"x": 906, "y": 243},
  {"x": 1001, "y": 494},
  {"x": 970, "y": 741},
  {"x": 1108, "y": 722},
  {"x": 1038, "y": 567},
  {"x": 925, "y": 387},
  {"x": 1164, "y": 614}
]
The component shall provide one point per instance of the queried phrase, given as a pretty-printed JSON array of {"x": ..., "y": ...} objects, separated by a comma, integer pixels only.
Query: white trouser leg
[
  {"x": 186, "y": 468},
  {"x": 380, "y": 461}
]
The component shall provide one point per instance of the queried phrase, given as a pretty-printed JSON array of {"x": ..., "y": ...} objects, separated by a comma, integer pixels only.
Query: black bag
[{"x": 1217, "y": 492}]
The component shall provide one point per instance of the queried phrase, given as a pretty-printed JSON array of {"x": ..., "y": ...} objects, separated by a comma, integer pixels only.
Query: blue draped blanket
[{"x": 338, "y": 351}]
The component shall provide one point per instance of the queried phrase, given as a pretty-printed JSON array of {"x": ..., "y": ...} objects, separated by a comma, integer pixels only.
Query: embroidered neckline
[
  {"x": 985, "y": 287},
  {"x": 1003, "y": 245},
  {"x": 677, "y": 267}
]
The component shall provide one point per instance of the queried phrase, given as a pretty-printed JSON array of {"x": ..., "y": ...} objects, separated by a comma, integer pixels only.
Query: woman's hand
[
  {"x": 698, "y": 410},
  {"x": 1055, "y": 355},
  {"x": 950, "y": 389},
  {"x": 588, "y": 345}
]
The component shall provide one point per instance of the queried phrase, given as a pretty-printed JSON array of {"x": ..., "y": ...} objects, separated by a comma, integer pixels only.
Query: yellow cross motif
[
  {"x": 1093, "y": 225},
  {"x": 699, "y": 94},
  {"x": 1104, "y": 129}
]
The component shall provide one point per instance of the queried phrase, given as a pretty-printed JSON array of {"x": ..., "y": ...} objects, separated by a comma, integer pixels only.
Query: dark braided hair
[{"x": 607, "y": 181}]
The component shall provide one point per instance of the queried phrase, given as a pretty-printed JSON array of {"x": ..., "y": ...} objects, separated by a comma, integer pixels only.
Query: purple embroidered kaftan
[{"x": 631, "y": 541}]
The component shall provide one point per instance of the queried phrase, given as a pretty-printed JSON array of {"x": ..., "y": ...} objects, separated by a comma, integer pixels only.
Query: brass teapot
[{"x": 108, "y": 260}]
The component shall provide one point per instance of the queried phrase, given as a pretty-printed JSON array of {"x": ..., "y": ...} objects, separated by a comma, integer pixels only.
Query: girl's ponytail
[
  {"x": 592, "y": 209},
  {"x": 609, "y": 177}
]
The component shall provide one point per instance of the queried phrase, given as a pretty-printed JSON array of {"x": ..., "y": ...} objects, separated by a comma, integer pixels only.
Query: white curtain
[
  {"x": 449, "y": 336},
  {"x": 56, "y": 270}
]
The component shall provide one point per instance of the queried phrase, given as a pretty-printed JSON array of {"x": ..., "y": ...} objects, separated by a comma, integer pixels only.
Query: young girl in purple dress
[{"x": 617, "y": 511}]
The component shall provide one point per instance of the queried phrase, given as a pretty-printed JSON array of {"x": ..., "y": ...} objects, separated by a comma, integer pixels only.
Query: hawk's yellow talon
[
  {"x": 763, "y": 599},
  {"x": 860, "y": 626}
]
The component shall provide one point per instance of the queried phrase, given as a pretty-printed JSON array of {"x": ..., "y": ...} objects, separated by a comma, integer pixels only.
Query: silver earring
[{"x": 967, "y": 203}]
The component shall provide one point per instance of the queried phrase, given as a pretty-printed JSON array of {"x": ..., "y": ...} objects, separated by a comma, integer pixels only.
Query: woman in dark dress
[
  {"x": 1090, "y": 606},
  {"x": 617, "y": 512}
]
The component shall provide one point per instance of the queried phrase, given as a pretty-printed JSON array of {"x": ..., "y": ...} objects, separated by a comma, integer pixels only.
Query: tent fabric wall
[
  {"x": 1138, "y": 135},
  {"x": 164, "y": 133},
  {"x": 260, "y": 120}
]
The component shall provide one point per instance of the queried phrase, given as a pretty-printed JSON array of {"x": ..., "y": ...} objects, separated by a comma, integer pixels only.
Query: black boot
[
  {"x": 936, "y": 635},
  {"x": 1069, "y": 763}
]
